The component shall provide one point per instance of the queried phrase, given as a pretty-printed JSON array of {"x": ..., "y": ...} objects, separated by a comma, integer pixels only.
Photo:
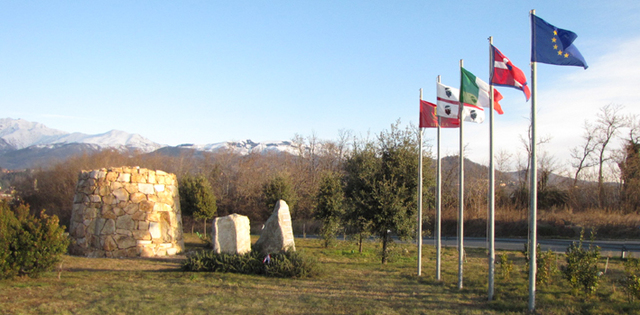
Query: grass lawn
[{"x": 352, "y": 283}]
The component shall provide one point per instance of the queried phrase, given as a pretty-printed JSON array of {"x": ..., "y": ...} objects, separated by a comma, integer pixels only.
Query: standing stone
[
  {"x": 231, "y": 234},
  {"x": 277, "y": 234}
]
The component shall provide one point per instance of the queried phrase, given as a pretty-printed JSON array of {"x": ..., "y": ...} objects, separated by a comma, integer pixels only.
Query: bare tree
[
  {"x": 526, "y": 143},
  {"x": 609, "y": 122},
  {"x": 582, "y": 155}
]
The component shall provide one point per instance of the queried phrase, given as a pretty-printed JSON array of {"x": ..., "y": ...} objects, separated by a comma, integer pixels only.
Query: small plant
[
  {"x": 631, "y": 281},
  {"x": 545, "y": 264},
  {"x": 505, "y": 266},
  {"x": 206, "y": 240},
  {"x": 582, "y": 267}
]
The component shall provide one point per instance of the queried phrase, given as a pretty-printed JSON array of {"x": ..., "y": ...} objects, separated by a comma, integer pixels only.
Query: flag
[
  {"x": 474, "y": 94},
  {"x": 428, "y": 118},
  {"x": 504, "y": 73},
  {"x": 448, "y": 101},
  {"x": 553, "y": 45}
]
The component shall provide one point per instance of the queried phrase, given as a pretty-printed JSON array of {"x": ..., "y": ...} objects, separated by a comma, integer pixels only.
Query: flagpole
[
  {"x": 533, "y": 208},
  {"x": 438, "y": 203},
  {"x": 419, "y": 236},
  {"x": 461, "y": 190},
  {"x": 492, "y": 199}
]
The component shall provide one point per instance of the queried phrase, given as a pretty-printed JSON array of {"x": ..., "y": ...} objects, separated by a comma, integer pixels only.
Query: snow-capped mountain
[
  {"x": 18, "y": 134},
  {"x": 25, "y": 144},
  {"x": 245, "y": 147}
]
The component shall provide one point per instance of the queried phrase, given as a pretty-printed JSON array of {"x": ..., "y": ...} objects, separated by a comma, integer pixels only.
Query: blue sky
[{"x": 212, "y": 71}]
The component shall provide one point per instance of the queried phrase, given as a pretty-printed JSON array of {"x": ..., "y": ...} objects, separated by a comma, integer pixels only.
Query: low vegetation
[
  {"x": 291, "y": 264},
  {"x": 350, "y": 283},
  {"x": 29, "y": 245}
]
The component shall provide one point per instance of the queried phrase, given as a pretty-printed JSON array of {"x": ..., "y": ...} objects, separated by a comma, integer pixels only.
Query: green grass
[{"x": 352, "y": 283}]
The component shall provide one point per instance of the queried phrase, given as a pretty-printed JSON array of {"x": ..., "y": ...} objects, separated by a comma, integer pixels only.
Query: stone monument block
[
  {"x": 277, "y": 234},
  {"x": 231, "y": 234}
]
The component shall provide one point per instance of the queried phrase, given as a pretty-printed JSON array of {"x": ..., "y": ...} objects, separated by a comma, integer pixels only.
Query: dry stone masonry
[
  {"x": 231, "y": 234},
  {"x": 126, "y": 212}
]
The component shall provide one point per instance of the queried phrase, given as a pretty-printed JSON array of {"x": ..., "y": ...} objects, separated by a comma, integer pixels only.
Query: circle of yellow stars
[{"x": 555, "y": 46}]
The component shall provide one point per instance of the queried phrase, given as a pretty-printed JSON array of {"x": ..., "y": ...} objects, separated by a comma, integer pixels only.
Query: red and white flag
[
  {"x": 428, "y": 118},
  {"x": 448, "y": 101},
  {"x": 504, "y": 73}
]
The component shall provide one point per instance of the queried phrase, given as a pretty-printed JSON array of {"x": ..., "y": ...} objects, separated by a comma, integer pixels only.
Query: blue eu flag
[{"x": 553, "y": 45}]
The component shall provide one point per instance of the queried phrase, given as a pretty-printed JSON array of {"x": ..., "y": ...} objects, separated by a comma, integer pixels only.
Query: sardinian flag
[
  {"x": 504, "y": 73},
  {"x": 267, "y": 259},
  {"x": 448, "y": 101}
]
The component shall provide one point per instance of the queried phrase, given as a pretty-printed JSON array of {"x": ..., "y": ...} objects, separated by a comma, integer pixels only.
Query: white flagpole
[
  {"x": 533, "y": 207},
  {"x": 419, "y": 236},
  {"x": 461, "y": 189},
  {"x": 438, "y": 203},
  {"x": 492, "y": 199}
]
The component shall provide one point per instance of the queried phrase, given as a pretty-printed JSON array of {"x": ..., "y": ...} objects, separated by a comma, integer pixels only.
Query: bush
[
  {"x": 290, "y": 264},
  {"x": 505, "y": 266},
  {"x": 582, "y": 267},
  {"x": 631, "y": 281},
  {"x": 546, "y": 266},
  {"x": 29, "y": 245}
]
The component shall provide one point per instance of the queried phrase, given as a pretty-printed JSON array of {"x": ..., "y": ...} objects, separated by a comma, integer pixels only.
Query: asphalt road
[{"x": 608, "y": 248}]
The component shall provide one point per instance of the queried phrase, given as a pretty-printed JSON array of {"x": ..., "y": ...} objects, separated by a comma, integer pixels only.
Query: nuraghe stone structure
[{"x": 126, "y": 212}]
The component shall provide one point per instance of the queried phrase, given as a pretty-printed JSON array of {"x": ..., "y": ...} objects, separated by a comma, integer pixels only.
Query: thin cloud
[{"x": 563, "y": 109}]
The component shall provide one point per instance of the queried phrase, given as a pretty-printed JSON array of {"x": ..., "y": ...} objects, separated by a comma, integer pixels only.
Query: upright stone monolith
[
  {"x": 231, "y": 234},
  {"x": 277, "y": 234}
]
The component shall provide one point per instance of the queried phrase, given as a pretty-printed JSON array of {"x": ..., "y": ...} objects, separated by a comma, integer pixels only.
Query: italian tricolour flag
[{"x": 474, "y": 94}]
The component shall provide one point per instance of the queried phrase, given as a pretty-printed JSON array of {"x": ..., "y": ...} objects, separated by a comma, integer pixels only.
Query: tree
[
  {"x": 382, "y": 181},
  {"x": 360, "y": 168},
  {"x": 630, "y": 171},
  {"x": 630, "y": 166},
  {"x": 608, "y": 125},
  {"x": 197, "y": 198},
  {"x": 279, "y": 187},
  {"x": 329, "y": 208},
  {"x": 581, "y": 155}
]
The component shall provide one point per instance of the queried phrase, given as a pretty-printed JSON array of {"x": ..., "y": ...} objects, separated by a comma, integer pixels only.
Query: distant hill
[{"x": 25, "y": 144}]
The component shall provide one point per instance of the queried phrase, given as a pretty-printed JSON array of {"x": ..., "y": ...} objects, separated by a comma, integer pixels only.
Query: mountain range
[{"x": 25, "y": 144}]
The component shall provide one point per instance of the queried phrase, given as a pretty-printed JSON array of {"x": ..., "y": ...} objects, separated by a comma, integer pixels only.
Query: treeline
[{"x": 376, "y": 178}]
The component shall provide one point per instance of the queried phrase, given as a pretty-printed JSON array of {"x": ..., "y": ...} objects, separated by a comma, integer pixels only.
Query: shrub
[
  {"x": 505, "y": 266},
  {"x": 29, "y": 245},
  {"x": 631, "y": 281},
  {"x": 545, "y": 264},
  {"x": 582, "y": 267},
  {"x": 290, "y": 264}
]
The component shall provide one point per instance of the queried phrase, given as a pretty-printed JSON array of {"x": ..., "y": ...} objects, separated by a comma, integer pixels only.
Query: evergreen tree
[
  {"x": 329, "y": 209},
  {"x": 197, "y": 199},
  {"x": 381, "y": 185},
  {"x": 630, "y": 175},
  {"x": 279, "y": 187}
]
